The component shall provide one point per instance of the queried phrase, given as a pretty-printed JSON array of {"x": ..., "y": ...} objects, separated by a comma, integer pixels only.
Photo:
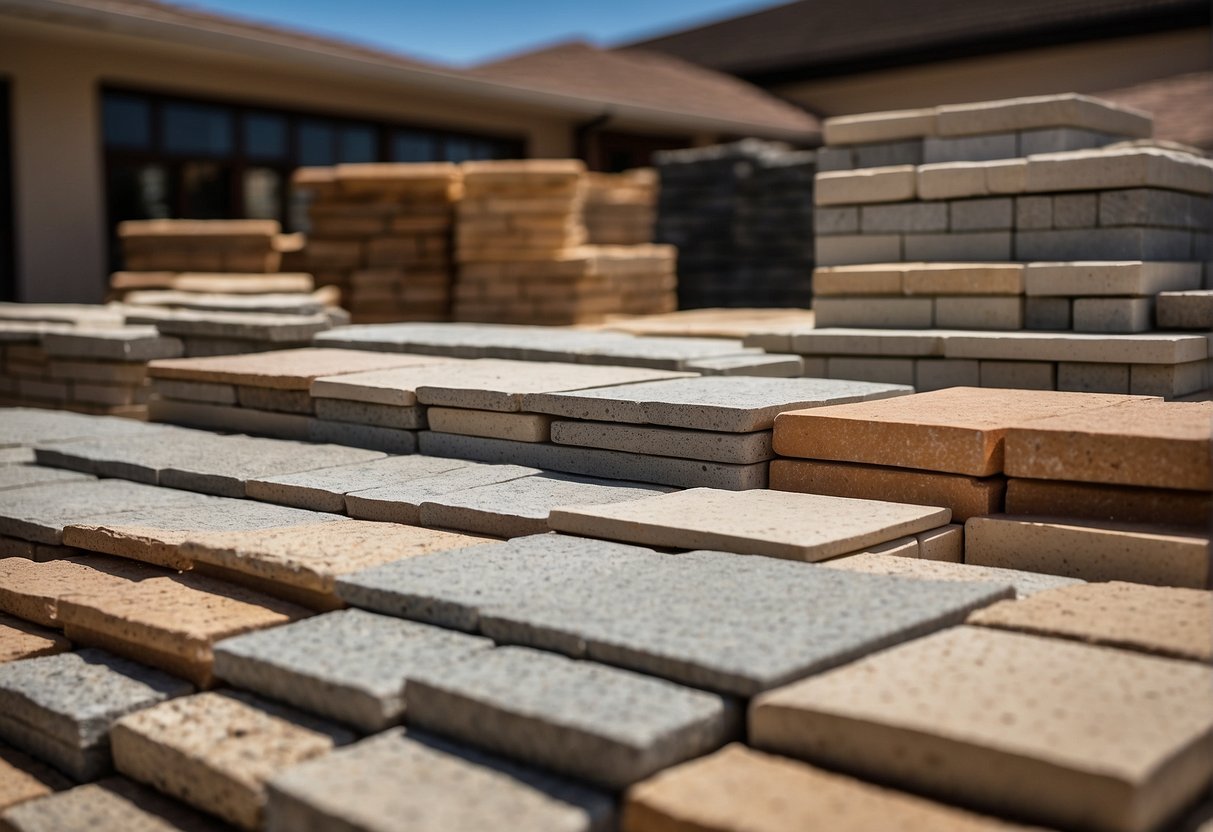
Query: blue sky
[{"x": 468, "y": 31}]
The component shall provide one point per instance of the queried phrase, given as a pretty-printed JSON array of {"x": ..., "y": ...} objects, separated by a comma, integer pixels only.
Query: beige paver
[
  {"x": 775, "y": 523},
  {"x": 891, "y": 561},
  {"x": 851, "y": 187},
  {"x": 111, "y": 805},
  {"x": 22, "y": 640},
  {"x": 519, "y": 427},
  {"x": 31, "y": 590},
  {"x": 1059, "y": 732}
]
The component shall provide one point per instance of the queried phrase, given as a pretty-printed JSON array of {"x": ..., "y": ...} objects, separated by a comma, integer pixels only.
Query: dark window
[
  {"x": 317, "y": 143},
  {"x": 265, "y": 136},
  {"x": 197, "y": 129},
  {"x": 408, "y": 146},
  {"x": 359, "y": 144},
  {"x": 8, "y": 239},
  {"x": 128, "y": 122}
]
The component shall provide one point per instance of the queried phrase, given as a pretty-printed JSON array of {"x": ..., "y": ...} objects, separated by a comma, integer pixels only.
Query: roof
[
  {"x": 1182, "y": 106},
  {"x": 661, "y": 81},
  {"x": 681, "y": 101},
  {"x": 825, "y": 37}
]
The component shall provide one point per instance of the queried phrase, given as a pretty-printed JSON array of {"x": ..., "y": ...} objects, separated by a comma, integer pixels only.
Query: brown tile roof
[
  {"x": 832, "y": 36},
  {"x": 1182, "y": 106},
  {"x": 639, "y": 76}
]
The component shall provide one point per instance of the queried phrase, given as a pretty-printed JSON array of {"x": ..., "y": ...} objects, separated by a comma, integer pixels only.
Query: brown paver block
[
  {"x": 519, "y": 427},
  {"x": 301, "y": 563},
  {"x": 965, "y": 496},
  {"x": 1163, "y": 620},
  {"x": 23, "y": 778},
  {"x": 1147, "y": 443},
  {"x": 31, "y": 590},
  {"x": 282, "y": 369},
  {"x": 1114, "y": 503},
  {"x": 1062, "y": 733},
  {"x": 215, "y": 751},
  {"x": 958, "y": 430},
  {"x": 775, "y": 523},
  {"x": 171, "y": 622},
  {"x": 890, "y": 562},
  {"x": 21, "y": 640},
  {"x": 738, "y": 789},
  {"x": 111, "y": 805}
]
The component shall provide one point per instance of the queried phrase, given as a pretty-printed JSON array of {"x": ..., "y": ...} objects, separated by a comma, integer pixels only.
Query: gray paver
[
  {"x": 370, "y": 437},
  {"x": 24, "y": 476},
  {"x": 60, "y": 708},
  {"x": 366, "y": 413},
  {"x": 710, "y": 446},
  {"x": 39, "y": 513},
  {"x": 139, "y": 458},
  {"x": 350, "y": 665},
  {"x": 737, "y": 404},
  {"x": 437, "y": 785},
  {"x": 325, "y": 489},
  {"x": 729, "y": 623},
  {"x": 127, "y": 343},
  {"x": 401, "y": 502},
  {"x": 521, "y": 507},
  {"x": 608, "y": 726},
  {"x": 29, "y": 426}
]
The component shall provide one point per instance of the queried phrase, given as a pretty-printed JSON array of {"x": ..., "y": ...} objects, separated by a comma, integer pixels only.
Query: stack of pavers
[
  {"x": 620, "y": 208},
  {"x": 382, "y": 232},
  {"x": 741, "y": 217},
  {"x": 1038, "y": 270},
  {"x": 240, "y": 246},
  {"x": 520, "y": 244}
]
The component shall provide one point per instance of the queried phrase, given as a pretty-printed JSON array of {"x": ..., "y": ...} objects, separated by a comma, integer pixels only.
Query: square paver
[
  {"x": 324, "y": 489},
  {"x": 710, "y": 446}
]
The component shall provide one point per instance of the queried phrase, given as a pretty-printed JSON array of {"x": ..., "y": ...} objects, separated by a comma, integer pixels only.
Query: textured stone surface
[
  {"x": 140, "y": 458},
  {"x": 725, "y": 403},
  {"x": 127, "y": 343},
  {"x": 23, "y": 476},
  {"x": 39, "y": 513},
  {"x": 23, "y": 778},
  {"x": 325, "y": 489},
  {"x": 370, "y": 437},
  {"x": 1112, "y": 503},
  {"x": 711, "y": 446},
  {"x": 112, "y": 805},
  {"x": 300, "y": 563},
  {"x": 215, "y": 751},
  {"x": 31, "y": 426},
  {"x": 958, "y": 699},
  {"x": 774, "y": 523},
  {"x": 1091, "y": 550},
  {"x": 225, "y": 419},
  {"x": 437, "y": 785},
  {"x": 1162, "y": 620},
  {"x": 281, "y": 369},
  {"x": 31, "y": 590},
  {"x": 60, "y": 708},
  {"x": 738, "y": 788},
  {"x": 373, "y": 415},
  {"x": 21, "y": 640},
  {"x": 1147, "y": 443},
  {"x": 958, "y": 430},
  {"x": 401, "y": 502},
  {"x": 519, "y": 427},
  {"x": 685, "y": 620},
  {"x": 170, "y": 622},
  {"x": 352, "y": 666},
  {"x": 1112, "y": 279},
  {"x": 608, "y": 726},
  {"x": 881, "y": 563},
  {"x": 522, "y": 506}
]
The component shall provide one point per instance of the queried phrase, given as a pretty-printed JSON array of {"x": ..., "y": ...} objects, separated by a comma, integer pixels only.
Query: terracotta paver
[
  {"x": 22, "y": 640},
  {"x": 31, "y": 590},
  {"x": 110, "y": 805},
  {"x": 23, "y": 778}
]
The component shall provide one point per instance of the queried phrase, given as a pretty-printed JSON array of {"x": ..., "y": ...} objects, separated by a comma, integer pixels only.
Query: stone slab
[
  {"x": 957, "y": 698},
  {"x": 1132, "y": 348},
  {"x": 439, "y": 786},
  {"x": 768, "y": 366},
  {"x": 23, "y": 778},
  {"x": 211, "y": 417},
  {"x": 608, "y": 726},
  {"x": 516, "y": 427},
  {"x": 685, "y": 622},
  {"x": 724, "y": 403},
  {"x": 520, "y": 507},
  {"x": 139, "y": 458},
  {"x": 711, "y": 446},
  {"x": 738, "y": 788},
  {"x": 39, "y": 513},
  {"x": 1131, "y": 278},
  {"x": 350, "y": 665},
  {"x": 1110, "y": 503},
  {"x": 1186, "y": 310},
  {"x": 21, "y": 640},
  {"x": 126, "y": 343},
  {"x": 31, "y": 590},
  {"x": 377, "y": 415},
  {"x": 780, "y": 524},
  {"x": 215, "y": 751},
  {"x": 958, "y": 430},
  {"x": 194, "y": 391},
  {"x": 60, "y": 708},
  {"x": 370, "y": 437},
  {"x": 1147, "y": 443},
  {"x": 1095, "y": 551},
  {"x": 251, "y": 326},
  {"x": 23, "y": 476},
  {"x": 170, "y": 622},
  {"x": 324, "y": 489},
  {"x": 1164, "y": 621},
  {"x": 281, "y": 369},
  {"x": 880, "y": 563},
  {"x": 111, "y": 805},
  {"x": 401, "y": 502}
]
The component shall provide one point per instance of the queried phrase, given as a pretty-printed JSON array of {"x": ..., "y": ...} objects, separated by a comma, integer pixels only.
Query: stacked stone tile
[
  {"x": 741, "y": 217},
  {"x": 382, "y": 232},
  {"x": 620, "y": 208},
  {"x": 241, "y": 246},
  {"x": 181, "y": 286}
]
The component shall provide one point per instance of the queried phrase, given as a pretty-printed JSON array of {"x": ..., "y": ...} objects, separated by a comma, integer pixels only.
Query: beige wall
[
  {"x": 56, "y": 77},
  {"x": 1090, "y": 67}
]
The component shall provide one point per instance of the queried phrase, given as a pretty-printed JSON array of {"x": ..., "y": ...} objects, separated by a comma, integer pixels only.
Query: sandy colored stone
[
  {"x": 111, "y": 805},
  {"x": 23, "y": 778},
  {"x": 1112, "y": 503},
  {"x": 963, "y": 279},
  {"x": 171, "y": 622},
  {"x": 302, "y": 562},
  {"x": 882, "y": 562},
  {"x": 215, "y": 751},
  {"x": 775, "y": 523},
  {"x": 1058, "y": 732},
  {"x": 711, "y": 446},
  {"x": 1162, "y": 620},
  {"x": 965, "y": 496},
  {"x": 852, "y": 187},
  {"x": 1132, "y": 278},
  {"x": 31, "y": 590},
  {"x": 1148, "y": 443},
  {"x": 325, "y": 488},
  {"x": 392, "y": 387},
  {"x": 946, "y": 544},
  {"x": 738, "y": 789},
  {"x": 519, "y": 427},
  {"x": 1091, "y": 550},
  {"x": 21, "y": 640},
  {"x": 958, "y": 430}
]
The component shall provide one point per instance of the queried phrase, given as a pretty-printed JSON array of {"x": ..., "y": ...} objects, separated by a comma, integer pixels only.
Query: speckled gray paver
[
  {"x": 111, "y": 805},
  {"x": 30, "y": 426},
  {"x": 729, "y": 623},
  {"x": 736, "y": 404},
  {"x": 366, "y": 413},
  {"x": 401, "y": 502},
  {"x": 139, "y": 458},
  {"x": 24, "y": 476},
  {"x": 608, "y": 726},
  {"x": 710, "y": 446},
  {"x": 350, "y": 665},
  {"x": 370, "y": 437},
  {"x": 60, "y": 708},
  {"x": 520, "y": 507},
  {"x": 662, "y": 353},
  {"x": 325, "y": 489},
  {"x": 128, "y": 343},
  {"x": 40, "y": 512},
  {"x": 437, "y": 785}
]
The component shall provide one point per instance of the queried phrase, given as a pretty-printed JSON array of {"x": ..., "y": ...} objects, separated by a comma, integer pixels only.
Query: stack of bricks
[
  {"x": 741, "y": 216},
  {"x": 382, "y": 232},
  {"x": 1038, "y": 271},
  {"x": 620, "y": 208},
  {"x": 241, "y": 246},
  {"x": 523, "y": 258}
]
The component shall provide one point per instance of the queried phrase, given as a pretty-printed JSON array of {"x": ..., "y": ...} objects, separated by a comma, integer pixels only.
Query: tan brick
[
  {"x": 23, "y": 779},
  {"x": 963, "y": 279},
  {"x": 951, "y": 180},
  {"x": 1034, "y": 112},
  {"x": 31, "y": 590},
  {"x": 878, "y": 312},
  {"x": 886, "y": 370},
  {"x": 891, "y": 184},
  {"x": 21, "y": 640},
  {"x": 863, "y": 279},
  {"x": 519, "y": 427},
  {"x": 884, "y": 126}
]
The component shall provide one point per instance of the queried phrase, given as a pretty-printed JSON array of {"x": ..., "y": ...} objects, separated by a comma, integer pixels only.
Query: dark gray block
[
  {"x": 367, "y": 413},
  {"x": 369, "y": 437}
]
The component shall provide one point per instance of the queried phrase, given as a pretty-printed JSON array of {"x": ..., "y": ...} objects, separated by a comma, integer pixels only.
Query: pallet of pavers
[
  {"x": 123, "y": 285},
  {"x": 200, "y": 245},
  {"x": 621, "y": 208},
  {"x": 228, "y": 332}
]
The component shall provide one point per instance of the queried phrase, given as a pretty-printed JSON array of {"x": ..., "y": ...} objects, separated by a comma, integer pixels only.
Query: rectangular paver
[
  {"x": 324, "y": 489},
  {"x": 281, "y": 369},
  {"x": 881, "y": 563},
  {"x": 22, "y": 778},
  {"x": 111, "y": 805},
  {"x": 22, "y": 640},
  {"x": 401, "y": 502},
  {"x": 711, "y": 446},
  {"x": 39, "y": 513},
  {"x": 31, "y": 590}
]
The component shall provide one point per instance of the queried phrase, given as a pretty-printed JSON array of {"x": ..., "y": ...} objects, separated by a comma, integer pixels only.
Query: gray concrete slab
[
  {"x": 325, "y": 489},
  {"x": 23, "y": 476},
  {"x": 39, "y": 513},
  {"x": 21, "y": 426},
  {"x": 710, "y": 446},
  {"x": 111, "y": 805},
  {"x": 139, "y": 458},
  {"x": 401, "y": 501},
  {"x": 368, "y": 437}
]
